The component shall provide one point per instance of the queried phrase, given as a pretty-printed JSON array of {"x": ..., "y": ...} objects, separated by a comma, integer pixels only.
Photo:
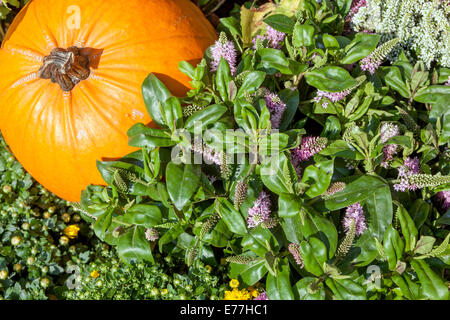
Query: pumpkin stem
[{"x": 66, "y": 67}]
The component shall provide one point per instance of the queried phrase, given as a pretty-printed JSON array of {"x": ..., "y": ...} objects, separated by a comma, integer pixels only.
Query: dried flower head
[{"x": 294, "y": 249}]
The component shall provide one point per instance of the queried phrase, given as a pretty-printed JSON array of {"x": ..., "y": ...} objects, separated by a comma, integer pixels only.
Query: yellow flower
[
  {"x": 234, "y": 283},
  {"x": 237, "y": 294},
  {"x": 95, "y": 274},
  {"x": 72, "y": 231},
  {"x": 208, "y": 268},
  {"x": 255, "y": 293},
  {"x": 164, "y": 291}
]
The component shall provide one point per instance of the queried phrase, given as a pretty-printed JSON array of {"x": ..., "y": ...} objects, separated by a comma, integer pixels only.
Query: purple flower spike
[
  {"x": 260, "y": 211},
  {"x": 274, "y": 37},
  {"x": 224, "y": 49},
  {"x": 276, "y": 108},
  {"x": 262, "y": 296},
  {"x": 355, "y": 213},
  {"x": 444, "y": 196},
  {"x": 410, "y": 166},
  {"x": 332, "y": 96}
]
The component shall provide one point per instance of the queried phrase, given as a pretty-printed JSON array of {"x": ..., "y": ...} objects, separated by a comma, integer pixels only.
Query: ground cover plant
[{"x": 309, "y": 160}]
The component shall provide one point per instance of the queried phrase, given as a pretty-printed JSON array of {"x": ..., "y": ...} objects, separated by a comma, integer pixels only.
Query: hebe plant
[{"x": 355, "y": 179}]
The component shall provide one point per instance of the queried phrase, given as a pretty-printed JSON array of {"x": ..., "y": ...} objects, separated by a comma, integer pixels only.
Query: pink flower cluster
[
  {"x": 444, "y": 196},
  {"x": 274, "y": 38},
  {"x": 262, "y": 296},
  {"x": 224, "y": 50},
  {"x": 260, "y": 211},
  {"x": 208, "y": 153},
  {"x": 410, "y": 166},
  {"x": 276, "y": 108},
  {"x": 355, "y": 213},
  {"x": 447, "y": 83},
  {"x": 369, "y": 64},
  {"x": 332, "y": 96},
  {"x": 308, "y": 148}
]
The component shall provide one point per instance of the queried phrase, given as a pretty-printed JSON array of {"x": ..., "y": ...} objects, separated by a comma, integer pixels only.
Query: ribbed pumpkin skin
[{"x": 58, "y": 136}]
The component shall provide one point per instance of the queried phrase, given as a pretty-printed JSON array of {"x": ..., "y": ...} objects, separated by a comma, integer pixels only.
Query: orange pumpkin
[{"x": 70, "y": 80}]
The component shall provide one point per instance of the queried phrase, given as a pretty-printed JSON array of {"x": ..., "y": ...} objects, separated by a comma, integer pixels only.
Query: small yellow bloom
[
  {"x": 72, "y": 231},
  {"x": 208, "y": 268},
  {"x": 95, "y": 274},
  {"x": 255, "y": 293},
  {"x": 237, "y": 294},
  {"x": 234, "y": 283},
  {"x": 164, "y": 291}
]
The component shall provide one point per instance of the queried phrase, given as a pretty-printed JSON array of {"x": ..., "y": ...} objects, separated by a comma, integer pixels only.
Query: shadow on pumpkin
[{"x": 94, "y": 56}]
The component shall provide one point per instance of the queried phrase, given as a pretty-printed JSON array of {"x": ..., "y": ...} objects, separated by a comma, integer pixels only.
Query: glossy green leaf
[
  {"x": 330, "y": 78},
  {"x": 133, "y": 246},
  {"x": 279, "y": 287},
  {"x": 231, "y": 216},
  {"x": 182, "y": 182}
]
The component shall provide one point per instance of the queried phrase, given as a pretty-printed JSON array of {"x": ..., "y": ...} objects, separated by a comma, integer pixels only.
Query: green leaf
[
  {"x": 329, "y": 41},
  {"x": 251, "y": 273},
  {"x": 187, "y": 69},
  {"x": 393, "y": 247},
  {"x": 394, "y": 79},
  {"x": 432, "y": 286},
  {"x": 252, "y": 82},
  {"x": 303, "y": 35},
  {"x": 256, "y": 241},
  {"x": 273, "y": 58},
  {"x": 408, "y": 228},
  {"x": 433, "y": 95},
  {"x": 205, "y": 117},
  {"x": 288, "y": 206},
  {"x": 314, "y": 255},
  {"x": 172, "y": 114},
  {"x": 346, "y": 289},
  {"x": 155, "y": 93},
  {"x": 331, "y": 79},
  {"x": 379, "y": 205},
  {"x": 315, "y": 225},
  {"x": 424, "y": 245},
  {"x": 318, "y": 176},
  {"x": 141, "y": 136},
  {"x": 281, "y": 23},
  {"x": 231, "y": 216},
  {"x": 279, "y": 287},
  {"x": 171, "y": 234},
  {"x": 291, "y": 99},
  {"x": 356, "y": 191},
  {"x": 305, "y": 289},
  {"x": 360, "y": 47},
  {"x": 182, "y": 182},
  {"x": 409, "y": 288},
  {"x": 145, "y": 215},
  {"x": 133, "y": 246},
  {"x": 223, "y": 78},
  {"x": 273, "y": 174}
]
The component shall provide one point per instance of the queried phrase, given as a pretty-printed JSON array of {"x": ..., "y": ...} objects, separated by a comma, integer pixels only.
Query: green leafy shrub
[
  {"x": 39, "y": 236},
  {"x": 107, "y": 278},
  {"x": 349, "y": 185}
]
